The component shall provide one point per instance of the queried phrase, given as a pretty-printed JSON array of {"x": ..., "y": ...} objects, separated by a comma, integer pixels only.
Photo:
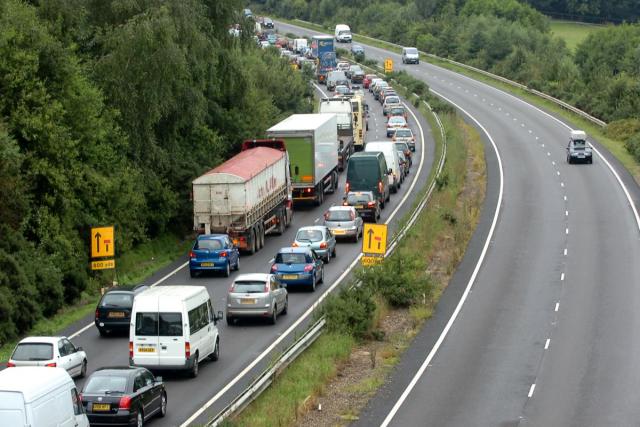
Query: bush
[
  {"x": 622, "y": 130},
  {"x": 633, "y": 146},
  {"x": 350, "y": 312}
]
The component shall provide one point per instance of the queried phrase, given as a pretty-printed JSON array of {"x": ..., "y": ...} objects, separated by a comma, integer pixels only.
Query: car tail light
[
  {"x": 11, "y": 365},
  {"x": 191, "y": 254},
  {"x": 353, "y": 215},
  {"x": 289, "y": 204},
  {"x": 187, "y": 350},
  {"x": 266, "y": 287},
  {"x": 51, "y": 365},
  {"x": 223, "y": 254},
  {"x": 80, "y": 397},
  {"x": 130, "y": 349},
  {"x": 274, "y": 268},
  {"x": 371, "y": 204},
  {"x": 97, "y": 313},
  {"x": 347, "y": 186},
  {"x": 326, "y": 215},
  {"x": 294, "y": 244},
  {"x": 125, "y": 402},
  {"x": 308, "y": 268},
  {"x": 323, "y": 245},
  {"x": 380, "y": 188},
  {"x": 232, "y": 286}
]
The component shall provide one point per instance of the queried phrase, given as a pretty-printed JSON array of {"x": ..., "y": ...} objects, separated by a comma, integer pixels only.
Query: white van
[
  {"x": 410, "y": 55},
  {"x": 40, "y": 397},
  {"x": 173, "y": 328},
  {"x": 391, "y": 157},
  {"x": 343, "y": 33}
]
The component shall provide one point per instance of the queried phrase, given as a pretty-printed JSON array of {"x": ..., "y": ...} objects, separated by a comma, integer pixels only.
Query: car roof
[
  {"x": 360, "y": 192},
  {"x": 253, "y": 276},
  {"x": 211, "y": 236},
  {"x": 33, "y": 382},
  {"x": 109, "y": 370},
  {"x": 341, "y": 208},
  {"x": 313, "y": 227},
  {"x": 47, "y": 340},
  {"x": 397, "y": 119},
  {"x": 295, "y": 250}
]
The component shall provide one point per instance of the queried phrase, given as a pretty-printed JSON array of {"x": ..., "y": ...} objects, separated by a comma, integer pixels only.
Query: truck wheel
[
  {"x": 334, "y": 182},
  {"x": 252, "y": 246},
  {"x": 281, "y": 222},
  {"x": 261, "y": 236},
  {"x": 320, "y": 196}
]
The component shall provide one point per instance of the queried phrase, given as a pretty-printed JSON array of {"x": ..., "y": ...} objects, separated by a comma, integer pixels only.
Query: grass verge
[
  {"x": 133, "y": 268},
  {"x": 440, "y": 235},
  {"x": 573, "y": 33}
]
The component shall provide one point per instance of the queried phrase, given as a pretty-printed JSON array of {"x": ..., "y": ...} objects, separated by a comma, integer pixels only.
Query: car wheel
[
  {"x": 285, "y": 310},
  {"x": 195, "y": 368},
  {"x": 192, "y": 273},
  {"x": 140, "y": 418},
  {"x": 321, "y": 275},
  {"x": 216, "y": 351},
  {"x": 163, "y": 404},
  {"x": 313, "y": 284},
  {"x": 569, "y": 159},
  {"x": 252, "y": 248},
  {"x": 274, "y": 315},
  {"x": 83, "y": 370},
  {"x": 327, "y": 258},
  {"x": 238, "y": 263},
  {"x": 227, "y": 269},
  {"x": 356, "y": 238},
  {"x": 333, "y": 252}
]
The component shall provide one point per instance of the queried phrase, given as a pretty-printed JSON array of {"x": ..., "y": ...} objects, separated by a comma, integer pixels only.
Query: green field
[{"x": 572, "y": 32}]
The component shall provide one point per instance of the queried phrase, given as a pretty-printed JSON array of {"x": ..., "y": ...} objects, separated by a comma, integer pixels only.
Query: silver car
[
  {"x": 318, "y": 238},
  {"x": 256, "y": 295},
  {"x": 344, "y": 222}
]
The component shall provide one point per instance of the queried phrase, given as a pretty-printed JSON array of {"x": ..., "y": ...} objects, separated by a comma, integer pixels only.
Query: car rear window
[
  {"x": 354, "y": 198},
  {"x": 404, "y": 133},
  {"x": 339, "y": 215},
  {"x": 310, "y": 235},
  {"x": 162, "y": 324},
  {"x": 396, "y": 120},
  {"x": 250, "y": 287},
  {"x": 291, "y": 259},
  {"x": 393, "y": 100},
  {"x": 211, "y": 245},
  {"x": 33, "y": 351},
  {"x": 401, "y": 146},
  {"x": 170, "y": 325},
  {"x": 117, "y": 300},
  {"x": 103, "y": 384}
]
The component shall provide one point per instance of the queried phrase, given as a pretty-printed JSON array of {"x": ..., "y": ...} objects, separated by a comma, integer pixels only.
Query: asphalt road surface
[
  {"x": 247, "y": 349},
  {"x": 546, "y": 332}
]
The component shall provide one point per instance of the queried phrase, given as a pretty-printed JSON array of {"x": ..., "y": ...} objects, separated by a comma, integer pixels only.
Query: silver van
[{"x": 410, "y": 55}]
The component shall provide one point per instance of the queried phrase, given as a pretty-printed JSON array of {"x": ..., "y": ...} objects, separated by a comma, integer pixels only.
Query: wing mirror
[
  {"x": 219, "y": 316},
  {"x": 158, "y": 380}
]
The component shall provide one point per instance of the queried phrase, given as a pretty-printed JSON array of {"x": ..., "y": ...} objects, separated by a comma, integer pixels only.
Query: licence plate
[
  {"x": 358, "y": 206},
  {"x": 101, "y": 407},
  {"x": 206, "y": 264},
  {"x": 247, "y": 301},
  {"x": 146, "y": 350},
  {"x": 290, "y": 276},
  {"x": 116, "y": 314},
  {"x": 338, "y": 231}
]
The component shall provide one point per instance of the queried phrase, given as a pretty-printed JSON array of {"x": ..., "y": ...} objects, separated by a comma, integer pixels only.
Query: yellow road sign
[
  {"x": 102, "y": 242},
  {"x": 375, "y": 239},
  {"x": 388, "y": 65},
  {"x": 368, "y": 261},
  {"x": 106, "y": 264}
]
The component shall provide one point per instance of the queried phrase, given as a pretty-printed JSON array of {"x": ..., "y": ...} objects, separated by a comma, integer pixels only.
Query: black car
[
  {"x": 123, "y": 396},
  {"x": 268, "y": 23},
  {"x": 365, "y": 203},
  {"x": 113, "y": 312}
]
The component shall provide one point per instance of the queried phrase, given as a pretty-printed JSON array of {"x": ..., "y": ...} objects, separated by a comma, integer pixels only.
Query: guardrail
[
  {"x": 264, "y": 380},
  {"x": 543, "y": 95}
]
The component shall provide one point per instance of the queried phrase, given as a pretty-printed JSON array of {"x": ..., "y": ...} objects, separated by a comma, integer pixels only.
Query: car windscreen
[
  {"x": 309, "y": 235},
  {"x": 401, "y": 146},
  {"x": 579, "y": 144},
  {"x": 399, "y": 111},
  {"x": 105, "y": 384},
  {"x": 412, "y": 51},
  {"x": 291, "y": 259},
  {"x": 396, "y": 120},
  {"x": 355, "y": 198},
  {"x": 212, "y": 245},
  {"x": 392, "y": 100},
  {"x": 250, "y": 287},
  {"x": 33, "y": 351},
  {"x": 404, "y": 133},
  {"x": 117, "y": 300},
  {"x": 339, "y": 215}
]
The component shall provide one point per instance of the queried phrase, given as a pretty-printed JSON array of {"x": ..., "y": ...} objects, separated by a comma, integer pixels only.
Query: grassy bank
[
  {"x": 133, "y": 267},
  {"x": 573, "y": 33},
  {"x": 370, "y": 345}
]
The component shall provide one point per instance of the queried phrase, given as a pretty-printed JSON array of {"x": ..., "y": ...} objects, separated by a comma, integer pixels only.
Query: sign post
[{"x": 374, "y": 244}]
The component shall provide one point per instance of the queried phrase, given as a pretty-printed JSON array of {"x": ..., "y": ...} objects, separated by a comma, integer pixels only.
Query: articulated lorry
[
  {"x": 342, "y": 108},
  {"x": 246, "y": 197},
  {"x": 322, "y": 49},
  {"x": 312, "y": 143}
]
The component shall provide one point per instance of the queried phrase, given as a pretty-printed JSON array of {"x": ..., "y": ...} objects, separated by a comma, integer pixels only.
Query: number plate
[
  {"x": 247, "y": 301},
  {"x": 338, "y": 231},
  {"x": 146, "y": 350},
  {"x": 289, "y": 276},
  {"x": 101, "y": 407},
  {"x": 119, "y": 314},
  {"x": 358, "y": 206},
  {"x": 206, "y": 264}
]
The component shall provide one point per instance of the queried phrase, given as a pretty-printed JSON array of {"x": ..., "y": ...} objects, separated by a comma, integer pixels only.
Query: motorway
[
  {"x": 540, "y": 324},
  {"x": 247, "y": 349}
]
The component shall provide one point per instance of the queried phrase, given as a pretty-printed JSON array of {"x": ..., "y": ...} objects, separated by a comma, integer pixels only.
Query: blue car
[
  {"x": 213, "y": 252},
  {"x": 298, "y": 266}
]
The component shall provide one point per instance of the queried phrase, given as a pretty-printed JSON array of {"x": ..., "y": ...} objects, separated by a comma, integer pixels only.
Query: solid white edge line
[
  {"x": 531, "y": 390},
  {"x": 310, "y": 310},
  {"x": 455, "y": 313}
]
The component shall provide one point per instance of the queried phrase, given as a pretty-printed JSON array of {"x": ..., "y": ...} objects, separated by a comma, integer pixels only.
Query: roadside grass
[
  {"x": 133, "y": 268},
  {"x": 572, "y": 32},
  {"x": 440, "y": 241}
]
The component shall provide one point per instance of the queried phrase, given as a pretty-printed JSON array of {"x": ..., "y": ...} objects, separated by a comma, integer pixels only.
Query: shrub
[
  {"x": 633, "y": 146},
  {"x": 351, "y": 311},
  {"x": 623, "y": 129}
]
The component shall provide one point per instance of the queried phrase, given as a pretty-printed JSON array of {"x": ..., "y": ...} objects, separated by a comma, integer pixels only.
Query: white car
[{"x": 50, "y": 352}]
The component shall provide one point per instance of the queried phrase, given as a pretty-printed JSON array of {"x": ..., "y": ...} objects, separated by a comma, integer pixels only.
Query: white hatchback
[{"x": 50, "y": 352}]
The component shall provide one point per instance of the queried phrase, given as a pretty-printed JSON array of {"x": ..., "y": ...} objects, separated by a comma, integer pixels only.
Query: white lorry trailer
[
  {"x": 246, "y": 197},
  {"x": 342, "y": 108},
  {"x": 312, "y": 144}
]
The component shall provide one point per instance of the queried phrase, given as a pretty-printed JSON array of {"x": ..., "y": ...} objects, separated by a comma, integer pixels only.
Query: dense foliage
[
  {"x": 506, "y": 37},
  {"x": 590, "y": 10},
  {"x": 107, "y": 110}
]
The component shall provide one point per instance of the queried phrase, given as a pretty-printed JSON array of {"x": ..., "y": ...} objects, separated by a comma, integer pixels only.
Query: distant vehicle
[
  {"x": 365, "y": 203},
  {"x": 398, "y": 110},
  {"x": 344, "y": 222},
  {"x": 404, "y": 165},
  {"x": 272, "y": 39},
  {"x": 342, "y": 90},
  {"x": 405, "y": 135},
  {"x": 391, "y": 156},
  {"x": 113, "y": 312},
  {"x": 394, "y": 123},
  {"x": 385, "y": 92},
  {"x": 342, "y": 33},
  {"x": 50, "y": 352},
  {"x": 173, "y": 328},
  {"x": 368, "y": 171},
  {"x": 367, "y": 80},
  {"x": 343, "y": 66},
  {"x": 342, "y": 108},
  {"x": 356, "y": 74},
  {"x": 298, "y": 266},
  {"x": 318, "y": 238},
  {"x": 123, "y": 395},
  {"x": 335, "y": 78},
  {"x": 410, "y": 55},
  {"x": 300, "y": 45},
  {"x": 390, "y": 101},
  {"x": 256, "y": 295},
  {"x": 578, "y": 149},
  {"x": 357, "y": 51},
  {"x": 404, "y": 147},
  {"x": 247, "y": 13},
  {"x": 268, "y": 23},
  {"x": 375, "y": 82},
  {"x": 213, "y": 252},
  {"x": 40, "y": 398},
  {"x": 377, "y": 88}
]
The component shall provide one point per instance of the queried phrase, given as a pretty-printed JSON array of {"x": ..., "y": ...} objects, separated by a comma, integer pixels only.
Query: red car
[{"x": 367, "y": 80}]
